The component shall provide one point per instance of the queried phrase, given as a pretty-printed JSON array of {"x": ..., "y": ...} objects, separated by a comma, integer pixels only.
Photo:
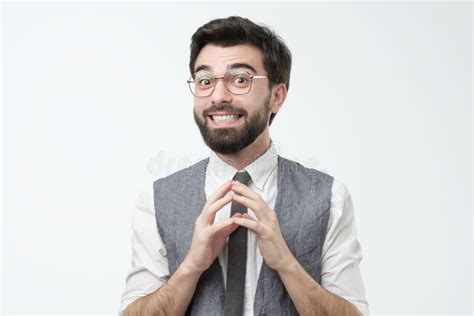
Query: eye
[
  {"x": 203, "y": 79},
  {"x": 240, "y": 80},
  {"x": 204, "y": 82}
]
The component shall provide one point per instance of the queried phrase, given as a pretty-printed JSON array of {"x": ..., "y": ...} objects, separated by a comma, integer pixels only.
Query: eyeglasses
[{"x": 238, "y": 82}]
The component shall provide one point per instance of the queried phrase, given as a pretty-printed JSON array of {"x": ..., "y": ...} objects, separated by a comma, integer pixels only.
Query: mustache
[{"x": 224, "y": 108}]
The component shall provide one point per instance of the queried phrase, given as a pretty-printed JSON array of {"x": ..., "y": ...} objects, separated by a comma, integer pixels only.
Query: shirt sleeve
[
  {"x": 341, "y": 253},
  {"x": 149, "y": 269}
]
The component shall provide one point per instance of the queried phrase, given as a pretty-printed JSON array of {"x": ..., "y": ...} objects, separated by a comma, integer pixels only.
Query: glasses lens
[
  {"x": 238, "y": 82},
  {"x": 202, "y": 84}
]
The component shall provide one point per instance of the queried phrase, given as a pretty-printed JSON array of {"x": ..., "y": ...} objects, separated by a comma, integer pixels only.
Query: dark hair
[{"x": 236, "y": 30}]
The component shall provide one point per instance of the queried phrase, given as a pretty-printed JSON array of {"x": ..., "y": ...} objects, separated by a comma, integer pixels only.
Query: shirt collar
[{"x": 259, "y": 170}]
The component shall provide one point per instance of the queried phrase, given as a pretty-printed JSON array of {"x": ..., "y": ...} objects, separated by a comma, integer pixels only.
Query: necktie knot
[{"x": 243, "y": 177}]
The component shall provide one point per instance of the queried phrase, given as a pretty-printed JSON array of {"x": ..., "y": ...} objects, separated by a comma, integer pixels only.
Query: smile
[{"x": 225, "y": 119}]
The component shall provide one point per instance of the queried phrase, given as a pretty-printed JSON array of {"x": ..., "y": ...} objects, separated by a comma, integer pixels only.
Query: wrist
[
  {"x": 288, "y": 265},
  {"x": 189, "y": 268}
]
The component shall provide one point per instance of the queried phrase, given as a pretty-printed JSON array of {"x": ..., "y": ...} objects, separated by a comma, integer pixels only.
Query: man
[{"x": 244, "y": 231}]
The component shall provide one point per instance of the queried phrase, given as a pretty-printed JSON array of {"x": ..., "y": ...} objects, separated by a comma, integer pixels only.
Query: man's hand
[
  {"x": 272, "y": 245},
  {"x": 173, "y": 297},
  {"x": 209, "y": 237},
  {"x": 307, "y": 295}
]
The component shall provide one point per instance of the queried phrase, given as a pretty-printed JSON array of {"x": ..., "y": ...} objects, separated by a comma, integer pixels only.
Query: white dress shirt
[{"x": 341, "y": 253}]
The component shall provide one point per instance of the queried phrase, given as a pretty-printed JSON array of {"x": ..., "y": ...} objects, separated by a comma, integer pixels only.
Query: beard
[{"x": 231, "y": 140}]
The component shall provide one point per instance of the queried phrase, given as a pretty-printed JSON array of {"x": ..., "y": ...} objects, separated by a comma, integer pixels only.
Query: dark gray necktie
[{"x": 236, "y": 259}]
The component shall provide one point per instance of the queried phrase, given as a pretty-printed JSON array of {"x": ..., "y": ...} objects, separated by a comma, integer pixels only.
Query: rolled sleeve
[
  {"x": 341, "y": 253},
  {"x": 149, "y": 268}
]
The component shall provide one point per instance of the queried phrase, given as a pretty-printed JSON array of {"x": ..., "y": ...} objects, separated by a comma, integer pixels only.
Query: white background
[{"x": 95, "y": 106}]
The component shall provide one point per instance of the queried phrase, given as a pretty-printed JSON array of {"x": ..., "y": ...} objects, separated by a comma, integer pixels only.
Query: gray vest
[{"x": 302, "y": 205}]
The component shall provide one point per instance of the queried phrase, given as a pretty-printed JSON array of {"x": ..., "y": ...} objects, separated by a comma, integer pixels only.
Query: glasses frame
[{"x": 191, "y": 81}]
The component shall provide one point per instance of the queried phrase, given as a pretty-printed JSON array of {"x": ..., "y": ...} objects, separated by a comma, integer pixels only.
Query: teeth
[{"x": 224, "y": 118}]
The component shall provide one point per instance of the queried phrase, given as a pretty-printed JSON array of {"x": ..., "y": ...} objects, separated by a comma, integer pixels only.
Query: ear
[{"x": 279, "y": 93}]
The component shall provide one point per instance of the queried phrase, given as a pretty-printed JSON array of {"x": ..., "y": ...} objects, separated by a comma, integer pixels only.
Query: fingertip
[{"x": 235, "y": 216}]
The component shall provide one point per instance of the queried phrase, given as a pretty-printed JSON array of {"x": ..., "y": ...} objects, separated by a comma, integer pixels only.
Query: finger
[
  {"x": 259, "y": 206},
  {"x": 209, "y": 212},
  {"x": 244, "y": 190},
  {"x": 216, "y": 196},
  {"x": 225, "y": 227},
  {"x": 248, "y": 216},
  {"x": 256, "y": 207},
  {"x": 220, "y": 192},
  {"x": 230, "y": 229},
  {"x": 254, "y": 226}
]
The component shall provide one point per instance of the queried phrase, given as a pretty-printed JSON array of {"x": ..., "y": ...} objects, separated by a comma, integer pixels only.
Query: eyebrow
[
  {"x": 242, "y": 65},
  {"x": 232, "y": 66},
  {"x": 202, "y": 67}
]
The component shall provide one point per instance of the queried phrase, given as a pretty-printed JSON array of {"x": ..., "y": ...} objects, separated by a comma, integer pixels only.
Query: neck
[{"x": 248, "y": 154}]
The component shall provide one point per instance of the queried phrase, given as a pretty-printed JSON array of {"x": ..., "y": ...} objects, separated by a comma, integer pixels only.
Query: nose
[{"x": 221, "y": 94}]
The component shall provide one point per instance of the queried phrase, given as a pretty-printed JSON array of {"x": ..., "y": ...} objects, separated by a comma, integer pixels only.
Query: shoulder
[
  {"x": 340, "y": 192},
  {"x": 340, "y": 195},
  {"x": 181, "y": 177},
  {"x": 342, "y": 207},
  {"x": 293, "y": 168}
]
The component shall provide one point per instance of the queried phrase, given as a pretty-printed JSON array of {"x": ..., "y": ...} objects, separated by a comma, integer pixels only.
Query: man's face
[{"x": 228, "y": 122}]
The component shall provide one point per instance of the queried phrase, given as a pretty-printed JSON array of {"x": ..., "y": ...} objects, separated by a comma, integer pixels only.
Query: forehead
[{"x": 220, "y": 59}]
